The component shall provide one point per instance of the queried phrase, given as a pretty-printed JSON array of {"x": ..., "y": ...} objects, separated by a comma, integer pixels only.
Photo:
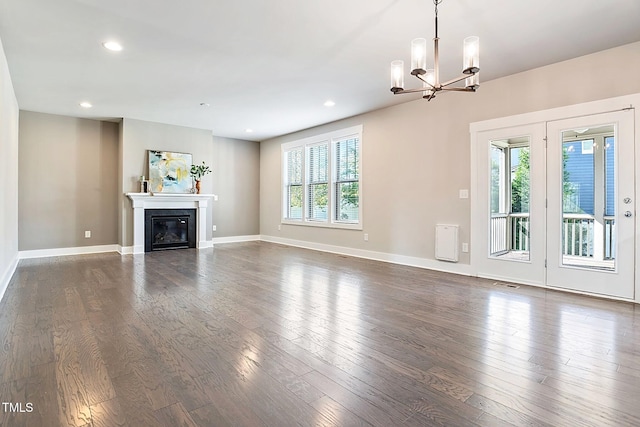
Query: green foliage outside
[
  {"x": 520, "y": 183},
  {"x": 320, "y": 198},
  {"x": 521, "y": 186},
  {"x": 348, "y": 192},
  {"x": 295, "y": 201}
]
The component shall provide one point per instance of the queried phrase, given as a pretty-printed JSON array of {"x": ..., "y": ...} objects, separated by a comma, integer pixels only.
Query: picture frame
[{"x": 169, "y": 172}]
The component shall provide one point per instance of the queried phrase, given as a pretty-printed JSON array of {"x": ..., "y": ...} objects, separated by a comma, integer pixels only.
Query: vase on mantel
[{"x": 197, "y": 186}]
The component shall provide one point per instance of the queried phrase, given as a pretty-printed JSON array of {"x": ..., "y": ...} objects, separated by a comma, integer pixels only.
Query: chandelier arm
[
  {"x": 458, "y": 89},
  {"x": 423, "y": 80},
  {"x": 400, "y": 92},
  {"x": 442, "y": 89},
  {"x": 455, "y": 80}
]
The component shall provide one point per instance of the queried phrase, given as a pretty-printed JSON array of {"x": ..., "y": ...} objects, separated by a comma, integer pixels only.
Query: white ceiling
[{"x": 270, "y": 65}]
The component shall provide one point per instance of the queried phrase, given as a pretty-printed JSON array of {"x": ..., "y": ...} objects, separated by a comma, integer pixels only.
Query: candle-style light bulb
[
  {"x": 397, "y": 76},
  {"x": 428, "y": 83},
  {"x": 418, "y": 56},
  {"x": 471, "y": 55}
]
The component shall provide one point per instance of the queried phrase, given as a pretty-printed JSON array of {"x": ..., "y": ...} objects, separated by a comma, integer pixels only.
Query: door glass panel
[
  {"x": 609, "y": 197},
  {"x": 509, "y": 199},
  {"x": 588, "y": 198}
]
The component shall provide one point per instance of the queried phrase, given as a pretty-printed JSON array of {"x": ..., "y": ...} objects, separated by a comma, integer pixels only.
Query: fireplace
[
  {"x": 169, "y": 229},
  {"x": 143, "y": 202}
]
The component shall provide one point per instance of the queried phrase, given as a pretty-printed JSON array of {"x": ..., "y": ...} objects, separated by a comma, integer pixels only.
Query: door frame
[{"x": 477, "y": 250}]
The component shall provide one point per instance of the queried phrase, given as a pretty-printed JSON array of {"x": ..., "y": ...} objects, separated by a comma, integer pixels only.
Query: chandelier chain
[{"x": 436, "y": 3}]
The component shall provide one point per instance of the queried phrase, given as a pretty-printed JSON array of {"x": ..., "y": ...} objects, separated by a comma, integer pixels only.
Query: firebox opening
[{"x": 170, "y": 229}]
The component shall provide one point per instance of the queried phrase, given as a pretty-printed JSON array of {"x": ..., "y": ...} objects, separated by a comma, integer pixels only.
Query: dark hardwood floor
[{"x": 257, "y": 334}]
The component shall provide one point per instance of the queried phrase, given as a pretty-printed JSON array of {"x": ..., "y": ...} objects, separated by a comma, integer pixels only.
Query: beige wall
[
  {"x": 74, "y": 174},
  {"x": 68, "y": 181},
  {"x": 236, "y": 180},
  {"x": 416, "y": 156},
  {"x": 139, "y": 136},
  {"x": 8, "y": 175}
]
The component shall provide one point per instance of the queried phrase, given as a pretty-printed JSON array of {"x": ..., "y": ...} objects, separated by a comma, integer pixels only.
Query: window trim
[{"x": 331, "y": 138}]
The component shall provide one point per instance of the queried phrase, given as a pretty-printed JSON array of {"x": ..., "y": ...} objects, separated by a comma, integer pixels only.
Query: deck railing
[
  {"x": 609, "y": 237},
  {"x": 577, "y": 233},
  {"x": 499, "y": 234},
  {"x": 511, "y": 232},
  {"x": 519, "y": 231}
]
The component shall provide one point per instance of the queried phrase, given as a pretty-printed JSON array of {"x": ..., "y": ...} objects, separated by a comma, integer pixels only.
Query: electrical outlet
[
  {"x": 465, "y": 247},
  {"x": 366, "y": 237},
  {"x": 464, "y": 194},
  {"x": 215, "y": 197},
  {"x": 87, "y": 234},
  {"x": 279, "y": 227},
  {"x": 215, "y": 228}
]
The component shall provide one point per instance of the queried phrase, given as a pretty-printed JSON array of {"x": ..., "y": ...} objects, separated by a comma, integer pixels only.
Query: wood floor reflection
[{"x": 257, "y": 334}]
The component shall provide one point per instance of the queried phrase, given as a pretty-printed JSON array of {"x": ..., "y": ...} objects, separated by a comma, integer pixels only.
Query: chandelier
[{"x": 431, "y": 77}]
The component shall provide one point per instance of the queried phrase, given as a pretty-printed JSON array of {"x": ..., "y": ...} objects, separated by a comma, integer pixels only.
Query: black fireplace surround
[{"x": 169, "y": 229}]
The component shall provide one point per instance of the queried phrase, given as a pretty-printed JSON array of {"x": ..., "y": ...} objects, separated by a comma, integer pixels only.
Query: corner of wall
[{"x": 9, "y": 124}]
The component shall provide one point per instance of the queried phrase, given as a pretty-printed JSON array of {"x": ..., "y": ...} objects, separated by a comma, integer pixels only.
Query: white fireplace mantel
[{"x": 142, "y": 201}]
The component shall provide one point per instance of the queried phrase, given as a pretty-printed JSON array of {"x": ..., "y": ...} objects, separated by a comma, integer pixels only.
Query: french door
[
  {"x": 510, "y": 244},
  {"x": 554, "y": 204},
  {"x": 590, "y": 214}
]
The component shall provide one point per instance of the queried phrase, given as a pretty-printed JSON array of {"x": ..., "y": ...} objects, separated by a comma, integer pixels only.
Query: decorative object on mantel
[
  {"x": 431, "y": 78},
  {"x": 169, "y": 172},
  {"x": 144, "y": 185},
  {"x": 197, "y": 172}
]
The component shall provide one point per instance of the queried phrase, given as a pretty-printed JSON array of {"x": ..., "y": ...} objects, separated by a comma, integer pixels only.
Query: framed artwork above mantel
[{"x": 169, "y": 172}]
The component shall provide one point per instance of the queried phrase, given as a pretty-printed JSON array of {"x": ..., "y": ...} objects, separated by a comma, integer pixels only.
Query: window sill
[{"x": 336, "y": 225}]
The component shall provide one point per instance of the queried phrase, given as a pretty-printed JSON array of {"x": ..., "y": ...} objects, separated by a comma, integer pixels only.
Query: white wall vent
[{"x": 447, "y": 242}]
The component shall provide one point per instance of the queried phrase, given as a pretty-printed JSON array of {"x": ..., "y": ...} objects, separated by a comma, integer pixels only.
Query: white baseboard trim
[
  {"x": 447, "y": 267},
  {"x": 205, "y": 244},
  {"x": 81, "y": 250},
  {"x": 6, "y": 277},
  {"x": 125, "y": 250},
  {"x": 236, "y": 239}
]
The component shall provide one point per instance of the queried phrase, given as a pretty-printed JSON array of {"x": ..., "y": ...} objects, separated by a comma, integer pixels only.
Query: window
[
  {"x": 322, "y": 180},
  {"x": 293, "y": 160},
  {"x": 587, "y": 147},
  {"x": 347, "y": 178},
  {"x": 318, "y": 182}
]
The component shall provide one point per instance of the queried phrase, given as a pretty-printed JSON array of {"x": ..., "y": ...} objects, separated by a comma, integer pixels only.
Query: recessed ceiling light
[
  {"x": 86, "y": 104},
  {"x": 249, "y": 130},
  {"x": 205, "y": 104},
  {"x": 329, "y": 103},
  {"x": 112, "y": 46}
]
